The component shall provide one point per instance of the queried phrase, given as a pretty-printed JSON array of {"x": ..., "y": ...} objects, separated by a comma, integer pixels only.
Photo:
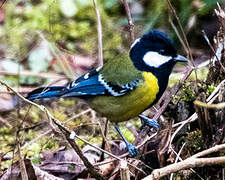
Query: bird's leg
[
  {"x": 131, "y": 148},
  {"x": 147, "y": 121}
]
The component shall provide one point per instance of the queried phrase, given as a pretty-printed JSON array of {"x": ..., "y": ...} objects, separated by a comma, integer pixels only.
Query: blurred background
[
  {"x": 60, "y": 36},
  {"x": 46, "y": 42}
]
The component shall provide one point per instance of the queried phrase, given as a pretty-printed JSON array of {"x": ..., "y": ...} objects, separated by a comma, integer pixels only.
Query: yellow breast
[{"x": 122, "y": 108}]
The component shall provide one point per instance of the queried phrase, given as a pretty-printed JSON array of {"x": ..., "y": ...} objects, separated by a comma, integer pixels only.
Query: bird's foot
[
  {"x": 150, "y": 122},
  {"x": 132, "y": 149}
]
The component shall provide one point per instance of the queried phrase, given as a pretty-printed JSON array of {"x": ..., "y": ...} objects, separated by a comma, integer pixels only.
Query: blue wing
[
  {"x": 90, "y": 84},
  {"x": 93, "y": 83},
  {"x": 87, "y": 84}
]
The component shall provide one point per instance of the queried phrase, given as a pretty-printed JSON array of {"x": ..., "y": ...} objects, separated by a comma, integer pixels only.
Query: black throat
[{"x": 162, "y": 72}]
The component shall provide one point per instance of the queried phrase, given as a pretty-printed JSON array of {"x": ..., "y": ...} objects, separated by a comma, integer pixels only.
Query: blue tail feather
[{"x": 45, "y": 92}]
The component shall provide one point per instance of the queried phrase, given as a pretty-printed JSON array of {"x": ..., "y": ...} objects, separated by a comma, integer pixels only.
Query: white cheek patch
[{"x": 155, "y": 59}]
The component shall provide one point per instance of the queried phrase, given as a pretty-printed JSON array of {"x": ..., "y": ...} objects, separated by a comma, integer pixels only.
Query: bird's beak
[{"x": 180, "y": 58}]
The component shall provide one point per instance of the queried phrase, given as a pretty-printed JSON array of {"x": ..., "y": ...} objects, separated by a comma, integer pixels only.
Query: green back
[{"x": 120, "y": 70}]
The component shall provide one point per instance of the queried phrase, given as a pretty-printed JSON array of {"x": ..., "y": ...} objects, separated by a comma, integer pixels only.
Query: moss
[
  {"x": 188, "y": 93},
  {"x": 210, "y": 89},
  {"x": 194, "y": 142}
]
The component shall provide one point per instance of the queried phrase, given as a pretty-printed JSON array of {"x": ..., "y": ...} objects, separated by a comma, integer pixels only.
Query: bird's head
[{"x": 154, "y": 51}]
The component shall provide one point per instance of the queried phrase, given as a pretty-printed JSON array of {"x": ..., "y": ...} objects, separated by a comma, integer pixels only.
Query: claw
[
  {"x": 132, "y": 149},
  {"x": 149, "y": 122}
]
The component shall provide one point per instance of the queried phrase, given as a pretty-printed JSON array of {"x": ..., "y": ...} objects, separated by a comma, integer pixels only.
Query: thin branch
[
  {"x": 216, "y": 90},
  {"x": 124, "y": 170},
  {"x": 100, "y": 52},
  {"x": 74, "y": 136},
  {"x": 186, "y": 164},
  {"x": 176, "y": 89},
  {"x": 190, "y": 162},
  {"x": 177, "y": 158},
  {"x": 190, "y": 168},
  {"x": 213, "y": 50},
  {"x": 74, "y": 145},
  {"x": 89, "y": 166},
  {"x": 194, "y": 116},
  {"x": 183, "y": 123},
  {"x": 130, "y": 22},
  {"x": 3, "y": 3},
  {"x": 20, "y": 96},
  {"x": 104, "y": 133},
  {"x": 182, "y": 30},
  {"x": 23, "y": 170},
  {"x": 187, "y": 46},
  {"x": 178, "y": 35},
  {"x": 67, "y": 132},
  {"x": 49, "y": 131},
  {"x": 210, "y": 106},
  {"x": 211, "y": 150}
]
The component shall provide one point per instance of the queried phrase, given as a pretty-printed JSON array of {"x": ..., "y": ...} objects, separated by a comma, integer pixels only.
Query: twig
[
  {"x": 49, "y": 131},
  {"x": 132, "y": 129},
  {"x": 74, "y": 136},
  {"x": 124, "y": 171},
  {"x": 71, "y": 141},
  {"x": 213, "y": 50},
  {"x": 63, "y": 162},
  {"x": 176, "y": 89},
  {"x": 126, "y": 154},
  {"x": 190, "y": 168},
  {"x": 216, "y": 90},
  {"x": 177, "y": 158},
  {"x": 182, "y": 30},
  {"x": 36, "y": 139},
  {"x": 130, "y": 22},
  {"x": 23, "y": 170},
  {"x": 3, "y": 3},
  {"x": 24, "y": 175},
  {"x": 194, "y": 116},
  {"x": 178, "y": 35},
  {"x": 210, "y": 106},
  {"x": 190, "y": 162},
  {"x": 211, "y": 150},
  {"x": 20, "y": 96},
  {"x": 100, "y": 53},
  {"x": 187, "y": 46},
  {"x": 89, "y": 166},
  {"x": 21, "y": 90},
  {"x": 104, "y": 132},
  {"x": 65, "y": 130}
]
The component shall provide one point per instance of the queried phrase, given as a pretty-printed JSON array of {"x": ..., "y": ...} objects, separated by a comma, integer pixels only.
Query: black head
[{"x": 154, "y": 50}]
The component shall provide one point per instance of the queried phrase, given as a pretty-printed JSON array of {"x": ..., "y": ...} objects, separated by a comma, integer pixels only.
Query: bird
[{"x": 122, "y": 89}]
